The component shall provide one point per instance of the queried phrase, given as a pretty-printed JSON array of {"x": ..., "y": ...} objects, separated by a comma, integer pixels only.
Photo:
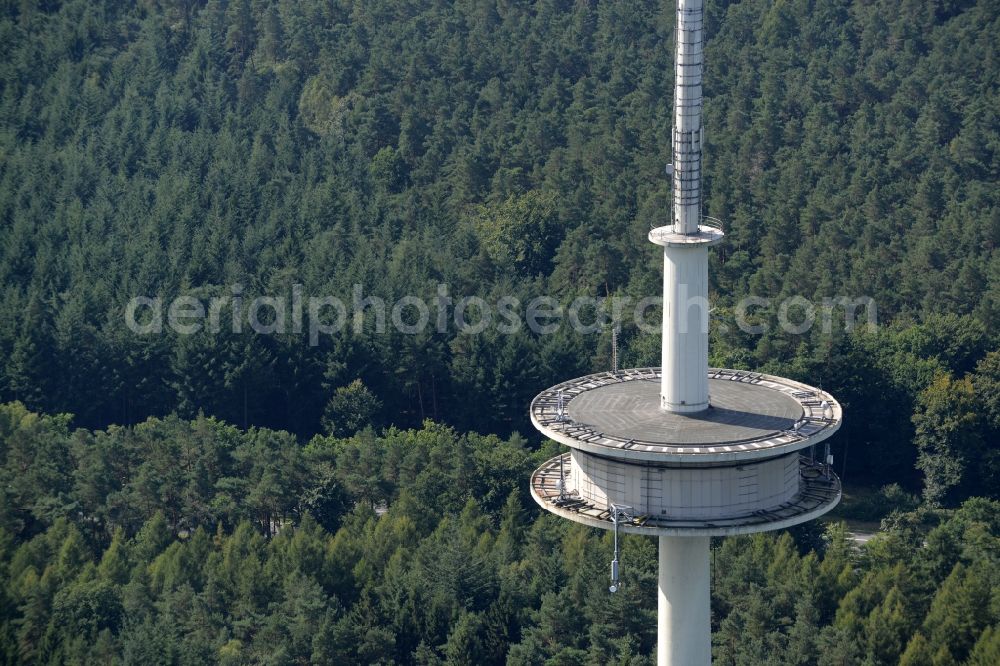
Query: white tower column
[
  {"x": 684, "y": 381},
  {"x": 684, "y": 621}
]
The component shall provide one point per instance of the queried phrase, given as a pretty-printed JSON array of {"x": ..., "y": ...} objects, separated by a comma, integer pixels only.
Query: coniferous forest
[{"x": 360, "y": 496}]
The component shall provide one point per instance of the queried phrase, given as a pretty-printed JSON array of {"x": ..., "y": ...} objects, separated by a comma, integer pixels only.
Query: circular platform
[
  {"x": 818, "y": 492},
  {"x": 618, "y": 415},
  {"x": 667, "y": 237}
]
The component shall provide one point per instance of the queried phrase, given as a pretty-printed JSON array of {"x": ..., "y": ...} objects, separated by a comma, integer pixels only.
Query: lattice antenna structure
[{"x": 619, "y": 514}]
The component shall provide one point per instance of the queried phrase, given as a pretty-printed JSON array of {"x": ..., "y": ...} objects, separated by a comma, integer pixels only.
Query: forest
[
  {"x": 228, "y": 496},
  {"x": 189, "y": 542}
]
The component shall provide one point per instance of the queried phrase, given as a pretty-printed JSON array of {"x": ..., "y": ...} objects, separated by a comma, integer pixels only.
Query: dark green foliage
[
  {"x": 351, "y": 408},
  {"x": 948, "y": 436}
]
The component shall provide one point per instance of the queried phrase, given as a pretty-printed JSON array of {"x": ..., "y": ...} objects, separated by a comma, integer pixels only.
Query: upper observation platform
[
  {"x": 667, "y": 236},
  {"x": 752, "y": 416}
]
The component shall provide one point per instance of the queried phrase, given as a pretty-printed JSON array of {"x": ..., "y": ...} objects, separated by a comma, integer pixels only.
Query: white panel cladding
[{"x": 685, "y": 492}]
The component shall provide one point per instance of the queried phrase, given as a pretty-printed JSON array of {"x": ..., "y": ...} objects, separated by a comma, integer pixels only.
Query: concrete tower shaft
[
  {"x": 684, "y": 350},
  {"x": 684, "y": 604},
  {"x": 688, "y": 64}
]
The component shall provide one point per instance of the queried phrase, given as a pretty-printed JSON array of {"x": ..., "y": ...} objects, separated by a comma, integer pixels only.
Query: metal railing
[
  {"x": 706, "y": 220},
  {"x": 713, "y": 222}
]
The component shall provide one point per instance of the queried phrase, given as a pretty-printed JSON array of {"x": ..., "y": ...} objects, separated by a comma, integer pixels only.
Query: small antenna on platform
[
  {"x": 618, "y": 513},
  {"x": 562, "y": 478},
  {"x": 561, "y": 406},
  {"x": 614, "y": 349}
]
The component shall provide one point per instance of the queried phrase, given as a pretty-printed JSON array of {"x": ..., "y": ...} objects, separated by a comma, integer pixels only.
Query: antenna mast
[
  {"x": 687, "y": 133},
  {"x": 614, "y": 349}
]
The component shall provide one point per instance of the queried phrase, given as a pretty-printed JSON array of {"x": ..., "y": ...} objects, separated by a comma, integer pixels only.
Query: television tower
[{"x": 685, "y": 452}]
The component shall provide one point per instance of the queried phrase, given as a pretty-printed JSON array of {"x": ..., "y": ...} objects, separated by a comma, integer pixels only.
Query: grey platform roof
[
  {"x": 819, "y": 491},
  {"x": 752, "y": 416},
  {"x": 739, "y": 411}
]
